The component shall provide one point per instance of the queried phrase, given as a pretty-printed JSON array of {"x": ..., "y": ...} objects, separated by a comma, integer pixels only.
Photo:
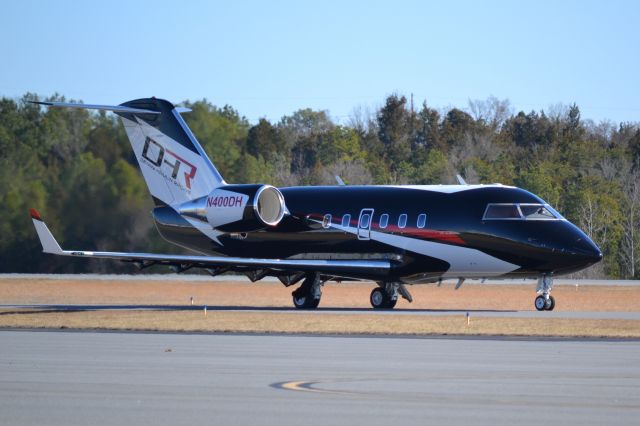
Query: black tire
[
  {"x": 305, "y": 302},
  {"x": 313, "y": 303},
  {"x": 551, "y": 303},
  {"x": 380, "y": 299},
  {"x": 540, "y": 303},
  {"x": 300, "y": 302}
]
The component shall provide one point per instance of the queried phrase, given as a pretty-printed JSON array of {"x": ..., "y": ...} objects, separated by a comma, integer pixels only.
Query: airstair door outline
[{"x": 364, "y": 224}]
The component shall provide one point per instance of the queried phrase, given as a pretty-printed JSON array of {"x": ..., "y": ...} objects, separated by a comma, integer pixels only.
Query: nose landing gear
[{"x": 545, "y": 302}]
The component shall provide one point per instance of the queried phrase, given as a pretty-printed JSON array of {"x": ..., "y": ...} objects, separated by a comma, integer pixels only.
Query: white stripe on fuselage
[
  {"x": 464, "y": 262},
  {"x": 447, "y": 189}
]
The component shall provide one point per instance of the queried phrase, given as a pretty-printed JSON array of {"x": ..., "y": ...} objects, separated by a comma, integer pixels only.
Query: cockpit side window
[
  {"x": 502, "y": 212},
  {"x": 536, "y": 211}
]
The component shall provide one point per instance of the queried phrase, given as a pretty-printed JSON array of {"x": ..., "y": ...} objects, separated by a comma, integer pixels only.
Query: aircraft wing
[{"x": 343, "y": 268}]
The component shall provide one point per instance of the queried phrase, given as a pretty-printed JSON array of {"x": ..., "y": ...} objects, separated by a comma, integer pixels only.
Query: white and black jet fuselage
[{"x": 394, "y": 235}]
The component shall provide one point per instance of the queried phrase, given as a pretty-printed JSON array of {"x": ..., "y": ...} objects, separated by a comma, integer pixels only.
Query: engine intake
[{"x": 269, "y": 205}]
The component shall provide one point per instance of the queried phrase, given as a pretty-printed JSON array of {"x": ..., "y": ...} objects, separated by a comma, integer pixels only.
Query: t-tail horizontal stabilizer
[{"x": 114, "y": 108}]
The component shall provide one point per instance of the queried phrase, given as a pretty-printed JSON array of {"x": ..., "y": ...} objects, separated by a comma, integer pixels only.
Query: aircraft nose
[
  {"x": 586, "y": 248},
  {"x": 593, "y": 251}
]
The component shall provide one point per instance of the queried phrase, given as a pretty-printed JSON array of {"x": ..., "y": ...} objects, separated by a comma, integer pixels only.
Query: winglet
[
  {"x": 49, "y": 243},
  {"x": 35, "y": 214}
]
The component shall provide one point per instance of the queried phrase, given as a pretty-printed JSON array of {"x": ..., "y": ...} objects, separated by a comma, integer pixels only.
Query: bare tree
[
  {"x": 595, "y": 219},
  {"x": 361, "y": 119},
  {"x": 613, "y": 169},
  {"x": 282, "y": 171},
  {"x": 557, "y": 111},
  {"x": 492, "y": 111},
  {"x": 470, "y": 175},
  {"x": 603, "y": 131},
  {"x": 353, "y": 172},
  {"x": 630, "y": 225}
]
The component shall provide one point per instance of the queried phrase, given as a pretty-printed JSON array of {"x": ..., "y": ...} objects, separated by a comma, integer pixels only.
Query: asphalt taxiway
[{"x": 80, "y": 378}]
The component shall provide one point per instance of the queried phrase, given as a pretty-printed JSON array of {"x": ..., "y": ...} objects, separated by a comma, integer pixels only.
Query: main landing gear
[
  {"x": 381, "y": 299},
  {"x": 545, "y": 301},
  {"x": 385, "y": 296},
  {"x": 308, "y": 295}
]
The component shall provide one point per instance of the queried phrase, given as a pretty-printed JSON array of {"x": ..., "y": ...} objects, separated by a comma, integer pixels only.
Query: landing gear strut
[
  {"x": 545, "y": 301},
  {"x": 308, "y": 295}
]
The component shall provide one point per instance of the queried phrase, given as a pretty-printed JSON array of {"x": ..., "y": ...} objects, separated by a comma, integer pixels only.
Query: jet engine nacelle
[{"x": 238, "y": 208}]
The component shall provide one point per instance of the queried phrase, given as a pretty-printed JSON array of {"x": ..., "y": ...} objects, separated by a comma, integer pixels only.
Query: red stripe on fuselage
[
  {"x": 447, "y": 237},
  {"x": 432, "y": 234}
]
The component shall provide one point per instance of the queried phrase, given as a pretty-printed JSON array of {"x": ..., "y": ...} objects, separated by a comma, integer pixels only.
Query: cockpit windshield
[
  {"x": 517, "y": 211},
  {"x": 502, "y": 211}
]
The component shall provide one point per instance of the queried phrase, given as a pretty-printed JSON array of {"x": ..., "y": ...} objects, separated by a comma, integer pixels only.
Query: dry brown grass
[
  {"x": 240, "y": 294},
  {"x": 272, "y": 294},
  {"x": 310, "y": 323}
]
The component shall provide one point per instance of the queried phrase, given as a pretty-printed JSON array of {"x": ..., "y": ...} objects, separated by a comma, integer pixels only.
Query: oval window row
[{"x": 421, "y": 221}]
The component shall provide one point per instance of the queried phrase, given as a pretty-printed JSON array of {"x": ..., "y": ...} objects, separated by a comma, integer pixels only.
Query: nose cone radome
[
  {"x": 589, "y": 250},
  {"x": 583, "y": 249}
]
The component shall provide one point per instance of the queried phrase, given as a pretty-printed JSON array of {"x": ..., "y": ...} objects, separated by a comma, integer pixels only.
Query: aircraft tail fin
[{"x": 173, "y": 163}]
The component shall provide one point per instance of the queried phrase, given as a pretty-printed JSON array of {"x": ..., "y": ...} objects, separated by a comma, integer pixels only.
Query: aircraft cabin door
[{"x": 364, "y": 224}]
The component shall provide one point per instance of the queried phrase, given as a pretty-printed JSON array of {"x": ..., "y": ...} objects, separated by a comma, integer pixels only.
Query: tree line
[{"x": 78, "y": 169}]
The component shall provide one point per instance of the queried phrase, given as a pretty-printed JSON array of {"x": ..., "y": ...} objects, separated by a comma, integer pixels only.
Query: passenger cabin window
[
  {"x": 527, "y": 211},
  {"x": 402, "y": 221},
  {"x": 422, "y": 220},
  {"x": 346, "y": 220},
  {"x": 384, "y": 221},
  {"x": 326, "y": 222},
  {"x": 364, "y": 221}
]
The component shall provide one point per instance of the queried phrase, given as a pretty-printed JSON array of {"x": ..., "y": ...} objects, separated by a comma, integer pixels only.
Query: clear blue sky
[{"x": 269, "y": 58}]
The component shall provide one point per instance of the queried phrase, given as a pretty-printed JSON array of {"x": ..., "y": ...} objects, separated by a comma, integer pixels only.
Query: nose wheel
[
  {"x": 545, "y": 301},
  {"x": 545, "y": 304}
]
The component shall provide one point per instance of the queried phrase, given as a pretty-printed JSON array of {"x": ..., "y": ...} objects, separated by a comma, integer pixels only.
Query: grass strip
[{"x": 310, "y": 323}]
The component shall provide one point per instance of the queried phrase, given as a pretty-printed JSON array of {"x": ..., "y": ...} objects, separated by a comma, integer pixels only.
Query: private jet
[{"x": 393, "y": 235}]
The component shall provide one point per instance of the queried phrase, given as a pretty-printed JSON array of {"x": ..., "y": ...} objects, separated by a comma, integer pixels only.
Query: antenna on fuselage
[
  {"x": 461, "y": 180},
  {"x": 340, "y": 181}
]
